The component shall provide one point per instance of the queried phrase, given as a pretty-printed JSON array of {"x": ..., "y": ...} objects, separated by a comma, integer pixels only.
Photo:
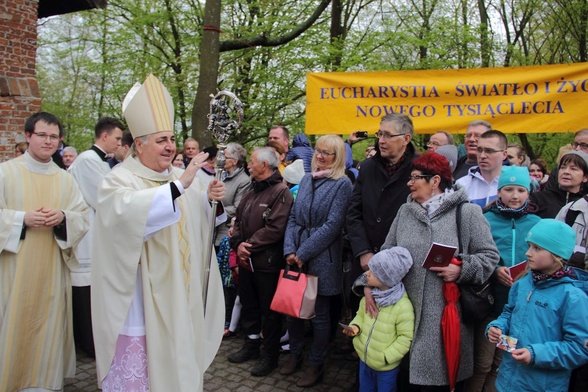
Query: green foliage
[{"x": 88, "y": 61}]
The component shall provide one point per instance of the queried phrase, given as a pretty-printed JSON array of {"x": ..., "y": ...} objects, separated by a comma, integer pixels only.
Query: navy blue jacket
[{"x": 301, "y": 149}]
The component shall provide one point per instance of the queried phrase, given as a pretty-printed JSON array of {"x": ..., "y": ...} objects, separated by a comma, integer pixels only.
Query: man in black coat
[
  {"x": 381, "y": 187},
  {"x": 379, "y": 191}
]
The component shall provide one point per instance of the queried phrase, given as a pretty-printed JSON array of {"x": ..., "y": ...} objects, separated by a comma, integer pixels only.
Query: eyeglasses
[
  {"x": 583, "y": 146},
  {"x": 324, "y": 153},
  {"x": 416, "y": 177},
  {"x": 472, "y": 136},
  {"x": 488, "y": 151},
  {"x": 387, "y": 136},
  {"x": 53, "y": 138}
]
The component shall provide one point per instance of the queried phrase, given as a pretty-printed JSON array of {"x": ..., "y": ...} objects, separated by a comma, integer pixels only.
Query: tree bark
[
  {"x": 209, "y": 59},
  {"x": 484, "y": 41},
  {"x": 207, "y": 79}
]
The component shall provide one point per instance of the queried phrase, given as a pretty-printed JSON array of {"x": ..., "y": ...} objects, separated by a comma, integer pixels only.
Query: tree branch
[{"x": 262, "y": 40}]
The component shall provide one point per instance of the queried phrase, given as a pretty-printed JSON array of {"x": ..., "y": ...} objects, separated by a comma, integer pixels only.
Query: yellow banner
[{"x": 550, "y": 98}]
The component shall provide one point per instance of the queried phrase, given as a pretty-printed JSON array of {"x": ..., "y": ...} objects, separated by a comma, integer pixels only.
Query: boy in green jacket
[{"x": 383, "y": 341}]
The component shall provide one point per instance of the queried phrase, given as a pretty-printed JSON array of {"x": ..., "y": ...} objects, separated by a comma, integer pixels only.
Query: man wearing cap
[{"x": 150, "y": 275}]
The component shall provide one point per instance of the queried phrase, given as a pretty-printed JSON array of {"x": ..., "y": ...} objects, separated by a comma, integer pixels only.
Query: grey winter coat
[
  {"x": 416, "y": 231},
  {"x": 315, "y": 229}
]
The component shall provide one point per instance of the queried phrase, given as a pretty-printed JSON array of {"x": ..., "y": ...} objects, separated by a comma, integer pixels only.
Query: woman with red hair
[{"x": 430, "y": 216}]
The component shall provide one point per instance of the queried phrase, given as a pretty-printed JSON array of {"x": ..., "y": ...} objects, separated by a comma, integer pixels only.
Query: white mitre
[{"x": 148, "y": 108}]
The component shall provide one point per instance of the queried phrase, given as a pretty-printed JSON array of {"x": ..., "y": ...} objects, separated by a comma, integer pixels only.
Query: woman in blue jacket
[
  {"x": 314, "y": 240},
  {"x": 547, "y": 311}
]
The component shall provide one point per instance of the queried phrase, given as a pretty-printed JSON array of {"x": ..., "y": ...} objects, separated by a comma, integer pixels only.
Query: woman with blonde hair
[{"x": 314, "y": 242}]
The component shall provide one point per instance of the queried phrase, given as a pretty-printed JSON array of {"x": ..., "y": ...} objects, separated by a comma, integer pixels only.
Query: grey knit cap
[
  {"x": 391, "y": 265},
  {"x": 449, "y": 151}
]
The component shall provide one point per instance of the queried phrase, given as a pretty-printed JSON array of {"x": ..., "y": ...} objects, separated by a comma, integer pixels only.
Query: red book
[
  {"x": 439, "y": 255},
  {"x": 517, "y": 269}
]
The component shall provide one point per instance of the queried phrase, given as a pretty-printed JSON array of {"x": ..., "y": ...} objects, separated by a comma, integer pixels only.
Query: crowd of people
[{"x": 111, "y": 254}]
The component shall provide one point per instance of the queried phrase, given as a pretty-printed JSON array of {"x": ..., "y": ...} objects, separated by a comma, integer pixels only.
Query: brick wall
[{"x": 19, "y": 92}]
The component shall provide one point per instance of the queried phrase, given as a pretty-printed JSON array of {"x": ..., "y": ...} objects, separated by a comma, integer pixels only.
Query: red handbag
[{"x": 296, "y": 294}]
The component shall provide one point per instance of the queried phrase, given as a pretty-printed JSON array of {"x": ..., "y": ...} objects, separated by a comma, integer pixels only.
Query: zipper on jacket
[
  {"x": 367, "y": 342},
  {"x": 512, "y": 247},
  {"x": 529, "y": 296}
]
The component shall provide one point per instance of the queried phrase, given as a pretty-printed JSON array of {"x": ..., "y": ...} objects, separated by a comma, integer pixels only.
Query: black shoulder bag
[{"x": 476, "y": 299}]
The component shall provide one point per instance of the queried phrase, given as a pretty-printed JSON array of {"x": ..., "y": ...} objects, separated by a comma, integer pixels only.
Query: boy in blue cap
[{"x": 547, "y": 311}]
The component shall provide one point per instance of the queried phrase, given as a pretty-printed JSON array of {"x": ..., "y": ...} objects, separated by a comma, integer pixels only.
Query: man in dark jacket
[
  {"x": 258, "y": 239},
  {"x": 381, "y": 187},
  {"x": 301, "y": 149},
  {"x": 58, "y": 154}
]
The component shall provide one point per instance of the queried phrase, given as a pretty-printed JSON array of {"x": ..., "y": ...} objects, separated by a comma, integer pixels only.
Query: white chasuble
[
  {"x": 181, "y": 340},
  {"x": 36, "y": 334}
]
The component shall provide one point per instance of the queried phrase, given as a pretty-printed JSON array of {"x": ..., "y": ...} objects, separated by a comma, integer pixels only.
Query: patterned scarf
[
  {"x": 392, "y": 168},
  {"x": 540, "y": 276},
  {"x": 435, "y": 202},
  {"x": 512, "y": 212}
]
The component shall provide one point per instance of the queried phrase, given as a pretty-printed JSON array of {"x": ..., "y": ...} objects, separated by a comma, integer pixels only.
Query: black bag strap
[{"x": 458, "y": 222}]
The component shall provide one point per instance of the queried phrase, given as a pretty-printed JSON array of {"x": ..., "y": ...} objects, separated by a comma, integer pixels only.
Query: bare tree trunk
[
  {"x": 336, "y": 33},
  {"x": 210, "y": 53},
  {"x": 484, "y": 41},
  {"x": 207, "y": 79},
  {"x": 527, "y": 145}
]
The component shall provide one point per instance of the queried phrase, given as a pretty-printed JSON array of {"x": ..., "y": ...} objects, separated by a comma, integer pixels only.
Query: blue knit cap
[
  {"x": 515, "y": 175},
  {"x": 553, "y": 236}
]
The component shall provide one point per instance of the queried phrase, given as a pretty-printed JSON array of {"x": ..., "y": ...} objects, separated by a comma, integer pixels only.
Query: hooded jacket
[
  {"x": 550, "y": 319},
  {"x": 301, "y": 149}
]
